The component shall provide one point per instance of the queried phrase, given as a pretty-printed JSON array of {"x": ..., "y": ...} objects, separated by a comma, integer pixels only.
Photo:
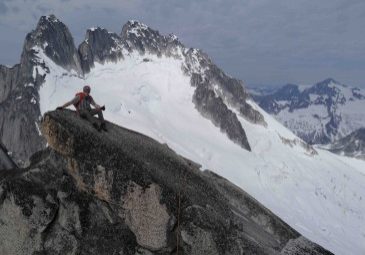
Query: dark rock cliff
[
  {"x": 123, "y": 193},
  {"x": 19, "y": 110},
  {"x": 55, "y": 39},
  {"x": 352, "y": 145},
  {"x": 19, "y": 98},
  {"x": 6, "y": 162},
  {"x": 99, "y": 46}
]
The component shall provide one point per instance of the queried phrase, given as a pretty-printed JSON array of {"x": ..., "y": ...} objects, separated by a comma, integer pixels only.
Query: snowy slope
[{"x": 318, "y": 193}]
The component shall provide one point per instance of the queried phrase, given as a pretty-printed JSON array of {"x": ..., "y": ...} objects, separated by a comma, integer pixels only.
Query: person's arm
[
  {"x": 94, "y": 104},
  {"x": 73, "y": 101}
]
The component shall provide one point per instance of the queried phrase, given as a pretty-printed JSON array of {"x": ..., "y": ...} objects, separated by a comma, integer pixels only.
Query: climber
[{"x": 82, "y": 102}]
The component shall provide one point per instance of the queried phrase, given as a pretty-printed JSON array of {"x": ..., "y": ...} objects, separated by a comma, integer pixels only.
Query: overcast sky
[{"x": 258, "y": 41}]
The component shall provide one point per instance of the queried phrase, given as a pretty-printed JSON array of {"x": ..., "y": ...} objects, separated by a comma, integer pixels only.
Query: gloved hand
[
  {"x": 59, "y": 108},
  {"x": 102, "y": 108}
]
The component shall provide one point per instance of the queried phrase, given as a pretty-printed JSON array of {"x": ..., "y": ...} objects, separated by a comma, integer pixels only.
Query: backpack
[{"x": 81, "y": 95}]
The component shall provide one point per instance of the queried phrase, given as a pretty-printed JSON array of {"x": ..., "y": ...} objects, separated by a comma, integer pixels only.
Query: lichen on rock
[{"x": 146, "y": 216}]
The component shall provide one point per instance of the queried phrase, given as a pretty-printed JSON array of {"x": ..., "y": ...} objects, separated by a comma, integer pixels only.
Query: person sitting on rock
[{"x": 82, "y": 102}]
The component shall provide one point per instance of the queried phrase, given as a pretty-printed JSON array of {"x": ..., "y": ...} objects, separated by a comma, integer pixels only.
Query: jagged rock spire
[
  {"x": 100, "y": 45},
  {"x": 145, "y": 39},
  {"x": 53, "y": 36}
]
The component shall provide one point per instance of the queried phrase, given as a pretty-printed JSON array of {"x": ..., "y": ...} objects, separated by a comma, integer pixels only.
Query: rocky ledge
[{"x": 120, "y": 192}]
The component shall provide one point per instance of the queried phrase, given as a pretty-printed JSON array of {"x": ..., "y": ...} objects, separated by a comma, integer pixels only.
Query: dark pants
[{"x": 88, "y": 114}]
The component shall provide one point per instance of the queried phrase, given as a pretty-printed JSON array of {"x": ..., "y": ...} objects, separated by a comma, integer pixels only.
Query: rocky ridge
[{"x": 121, "y": 192}]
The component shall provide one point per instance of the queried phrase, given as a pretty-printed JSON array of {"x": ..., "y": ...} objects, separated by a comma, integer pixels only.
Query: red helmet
[{"x": 86, "y": 89}]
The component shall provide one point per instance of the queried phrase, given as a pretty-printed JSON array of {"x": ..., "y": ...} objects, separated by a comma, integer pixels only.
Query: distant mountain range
[{"x": 319, "y": 114}]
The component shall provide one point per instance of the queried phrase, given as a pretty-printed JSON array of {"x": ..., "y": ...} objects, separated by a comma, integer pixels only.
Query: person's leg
[
  {"x": 88, "y": 116},
  {"x": 99, "y": 113},
  {"x": 101, "y": 118}
]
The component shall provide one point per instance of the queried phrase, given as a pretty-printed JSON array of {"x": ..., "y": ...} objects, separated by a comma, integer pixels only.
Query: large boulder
[{"x": 120, "y": 192}]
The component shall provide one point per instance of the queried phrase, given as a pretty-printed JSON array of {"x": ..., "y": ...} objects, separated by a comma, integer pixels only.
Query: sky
[{"x": 262, "y": 42}]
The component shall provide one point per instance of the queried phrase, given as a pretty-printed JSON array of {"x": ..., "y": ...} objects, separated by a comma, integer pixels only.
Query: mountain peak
[
  {"x": 173, "y": 37},
  {"x": 145, "y": 39},
  {"x": 95, "y": 29},
  {"x": 135, "y": 28},
  {"x": 327, "y": 82},
  {"x": 137, "y": 24},
  {"x": 50, "y": 19},
  {"x": 100, "y": 45},
  {"x": 289, "y": 86},
  {"x": 53, "y": 37},
  {"x": 47, "y": 23}
]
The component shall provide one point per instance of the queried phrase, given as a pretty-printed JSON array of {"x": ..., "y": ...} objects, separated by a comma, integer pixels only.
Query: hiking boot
[{"x": 103, "y": 126}]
